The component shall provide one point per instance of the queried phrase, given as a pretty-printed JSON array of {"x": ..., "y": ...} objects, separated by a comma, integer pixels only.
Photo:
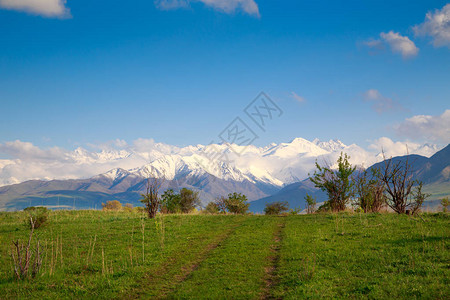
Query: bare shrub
[
  {"x": 310, "y": 204},
  {"x": 150, "y": 198},
  {"x": 23, "y": 256},
  {"x": 369, "y": 190}
]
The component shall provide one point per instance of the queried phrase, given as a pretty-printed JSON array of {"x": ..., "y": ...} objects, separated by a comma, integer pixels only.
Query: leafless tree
[
  {"x": 398, "y": 183},
  {"x": 150, "y": 198},
  {"x": 221, "y": 203}
]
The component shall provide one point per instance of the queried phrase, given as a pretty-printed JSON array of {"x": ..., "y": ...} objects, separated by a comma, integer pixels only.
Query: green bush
[
  {"x": 170, "y": 202},
  {"x": 237, "y": 203},
  {"x": 39, "y": 215},
  {"x": 188, "y": 200},
  {"x": 275, "y": 208},
  {"x": 212, "y": 208}
]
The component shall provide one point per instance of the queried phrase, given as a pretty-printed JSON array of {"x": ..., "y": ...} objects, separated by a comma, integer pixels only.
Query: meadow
[{"x": 97, "y": 254}]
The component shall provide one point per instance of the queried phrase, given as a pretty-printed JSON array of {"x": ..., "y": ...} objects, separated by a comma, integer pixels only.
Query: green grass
[{"x": 233, "y": 257}]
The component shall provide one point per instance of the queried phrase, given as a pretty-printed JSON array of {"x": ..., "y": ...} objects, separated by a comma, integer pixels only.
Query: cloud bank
[
  {"x": 436, "y": 26},
  {"x": 46, "y": 8},
  {"x": 425, "y": 127},
  {"x": 392, "y": 149},
  {"x": 227, "y": 6}
]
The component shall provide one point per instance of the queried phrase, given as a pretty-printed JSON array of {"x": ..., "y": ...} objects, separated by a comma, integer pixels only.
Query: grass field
[{"x": 95, "y": 254}]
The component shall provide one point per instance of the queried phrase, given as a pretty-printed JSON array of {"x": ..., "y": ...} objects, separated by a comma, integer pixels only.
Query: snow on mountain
[
  {"x": 331, "y": 145},
  {"x": 294, "y": 148},
  {"x": 115, "y": 174},
  {"x": 272, "y": 165}
]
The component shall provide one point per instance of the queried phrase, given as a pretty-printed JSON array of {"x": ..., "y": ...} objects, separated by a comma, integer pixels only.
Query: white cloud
[
  {"x": 46, "y": 8},
  {"x": 28, "y": 161},
  {"x": 437, "y": 26},
  {"x": 372, "y": 43},
  {"x": 392, "y": 149},
  {"x": 227, "y": 6},
  {"x": 171, "y": 4},
  {"x": 400, "y": 44},
  {"x": 297, "y": 97},
  {"x": 27, "y": 151},
  {"x": 380, "y": 104},
  {"x": 425, "y": 127}
]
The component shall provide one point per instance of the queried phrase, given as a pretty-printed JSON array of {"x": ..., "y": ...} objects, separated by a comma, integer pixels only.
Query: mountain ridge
[{"x": 275, "y": 167}]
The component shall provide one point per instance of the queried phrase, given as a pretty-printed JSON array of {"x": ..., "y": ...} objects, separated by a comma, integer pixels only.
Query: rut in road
[
  {"x": 271, "y": 279},
  {"x": 165, "y": 278}
]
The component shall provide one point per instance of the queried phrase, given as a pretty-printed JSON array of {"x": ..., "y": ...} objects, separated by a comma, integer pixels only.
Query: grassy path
[
  {"x": 271, "y": 279},
  {"x": 236, "y": 269},
  {"x": 160, "y": 281}
]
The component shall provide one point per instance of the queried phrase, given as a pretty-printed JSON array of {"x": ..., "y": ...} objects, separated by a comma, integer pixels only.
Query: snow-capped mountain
[
  {"x": 276, "y": 164},
  {"x": 90, "y": 177},
  {"x": 331, "y": 145},
  {"x": 273, "y": 165}
]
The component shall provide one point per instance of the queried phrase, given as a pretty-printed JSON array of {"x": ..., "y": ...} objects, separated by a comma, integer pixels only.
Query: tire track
[
  {"x": 271, "y": 279},
  {"x": 166, "y": 277},
  {"x": 188, "y": 269}
]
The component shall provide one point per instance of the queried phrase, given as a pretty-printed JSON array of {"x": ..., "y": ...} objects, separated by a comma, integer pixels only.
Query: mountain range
[{"x": 264, "y": 174}]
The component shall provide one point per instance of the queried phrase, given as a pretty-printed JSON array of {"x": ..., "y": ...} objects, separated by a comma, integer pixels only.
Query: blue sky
[{"x": 87, "y": 72}]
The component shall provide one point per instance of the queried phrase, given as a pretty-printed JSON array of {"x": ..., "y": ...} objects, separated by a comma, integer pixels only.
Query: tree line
[{"x": 392, "y": 184}]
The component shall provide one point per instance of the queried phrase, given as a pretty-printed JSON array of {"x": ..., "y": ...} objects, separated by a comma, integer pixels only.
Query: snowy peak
[
  {"x": 331, "y": 145},
  {"x": 114, "y": 174},
  {"x": 294, "y": 148}
]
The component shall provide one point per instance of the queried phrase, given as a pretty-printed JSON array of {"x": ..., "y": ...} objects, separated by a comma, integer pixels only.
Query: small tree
[
  {"x": 275, "y": 208},
  {"x": 418, "y": 197},
  {"x": 237, "y": 203},
  {"x": 369, "y": 191},
  {"x": 188, "y": 200},
  {"x": 170, "y": 202},
  {"x": 212, "y": 208},
  {"x": 310, "y": 204},
  {"x": 445, "y": 204},
  {"x": 112, "y": 205},
  {"x": 150, "y": 198},
  {"x": 336, "y": 183}
]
